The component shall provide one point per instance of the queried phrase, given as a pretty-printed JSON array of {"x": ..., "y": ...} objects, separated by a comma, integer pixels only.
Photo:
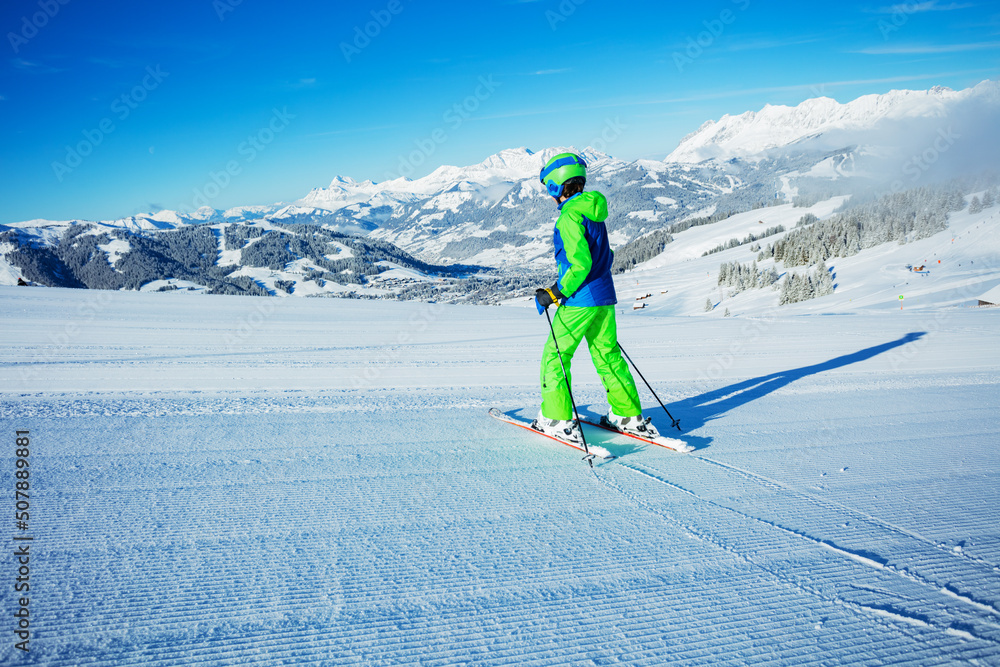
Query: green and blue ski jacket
[{"x": 583, "y": 253}]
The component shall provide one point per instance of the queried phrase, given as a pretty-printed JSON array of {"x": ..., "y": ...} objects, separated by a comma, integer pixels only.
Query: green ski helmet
[{"x": 560, "y": 169}]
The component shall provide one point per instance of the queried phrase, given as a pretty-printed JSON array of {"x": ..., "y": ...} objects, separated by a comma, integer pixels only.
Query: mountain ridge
[
  {"x": 776, "y": 126},
  {"x": 496, "y": 214},
  {"x": 818, "y": 124}
]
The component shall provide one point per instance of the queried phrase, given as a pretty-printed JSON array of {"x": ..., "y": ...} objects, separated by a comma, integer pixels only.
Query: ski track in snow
[
  {"x": 867, "y": 559},
  {"x": 867, "y": 518},
  {"x": 301, "y": 495},
  {"x": 811, "y": 584}
]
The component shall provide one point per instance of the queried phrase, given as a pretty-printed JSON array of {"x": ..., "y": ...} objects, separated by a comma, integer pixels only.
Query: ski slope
[
  {"x": 237, "y": 480},
  {"x": 962, "y": 262}
]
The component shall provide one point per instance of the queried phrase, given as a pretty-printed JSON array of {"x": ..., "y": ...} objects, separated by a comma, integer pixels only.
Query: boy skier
[{"x": 585, "y": 299}]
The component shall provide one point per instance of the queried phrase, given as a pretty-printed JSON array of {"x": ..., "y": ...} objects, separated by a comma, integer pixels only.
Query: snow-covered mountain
[
  {"x": 823, "y": 123},
  {"x": 504, "y": 168},
  {"x": 496, "y": 213},
  {"x": 247, "y": 258}
]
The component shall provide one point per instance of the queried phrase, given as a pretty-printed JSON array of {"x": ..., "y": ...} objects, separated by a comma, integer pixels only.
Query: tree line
[
  {"x": 749, "y": 238},
  {"x": 901, "y": 217}
]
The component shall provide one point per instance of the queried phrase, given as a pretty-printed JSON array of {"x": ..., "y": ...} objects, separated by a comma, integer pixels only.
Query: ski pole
[
  {"x": 589, "y": 458},
  {"x": 676, "y": 422}
]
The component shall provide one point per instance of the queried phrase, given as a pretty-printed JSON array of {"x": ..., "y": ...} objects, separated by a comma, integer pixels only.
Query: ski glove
[{"x": 548, "y": 296}]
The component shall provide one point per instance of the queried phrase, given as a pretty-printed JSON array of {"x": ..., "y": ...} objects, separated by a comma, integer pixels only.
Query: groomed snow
[{"x": 238, "y": 480}]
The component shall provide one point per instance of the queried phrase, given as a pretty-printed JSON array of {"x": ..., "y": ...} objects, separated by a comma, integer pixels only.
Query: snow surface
[
  {"x": 186, "y": 285},
  {"x": 115, "y": 248},
  {"x": 240, "y": 480},
  {"x": 9, "y": 274}
]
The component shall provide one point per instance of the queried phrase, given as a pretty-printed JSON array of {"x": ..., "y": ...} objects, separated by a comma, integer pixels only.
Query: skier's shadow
[{"x": 697, "y": 411}]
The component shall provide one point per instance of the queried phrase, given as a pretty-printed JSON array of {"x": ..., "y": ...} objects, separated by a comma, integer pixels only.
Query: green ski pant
[{"x": 597, "y": 324}]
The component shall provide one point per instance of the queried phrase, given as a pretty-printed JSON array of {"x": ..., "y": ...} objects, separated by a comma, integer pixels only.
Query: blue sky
[{"x": 115, "y": 108}]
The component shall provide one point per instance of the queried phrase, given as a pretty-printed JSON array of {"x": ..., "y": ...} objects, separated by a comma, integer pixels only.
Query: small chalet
[{"x": 991, "y": 298}]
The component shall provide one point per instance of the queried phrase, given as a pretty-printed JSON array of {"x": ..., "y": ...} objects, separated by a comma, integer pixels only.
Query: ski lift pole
[
  {"x": 676, "y": 422},
  {"x": 589, "y": 458}
]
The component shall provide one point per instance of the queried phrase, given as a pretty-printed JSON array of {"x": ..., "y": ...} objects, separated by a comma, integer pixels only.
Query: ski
[
  {"x": 669, "y": 443},
  {"x": 595, "y": 451}
]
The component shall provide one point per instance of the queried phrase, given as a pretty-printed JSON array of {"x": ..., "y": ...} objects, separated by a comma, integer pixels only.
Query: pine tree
[
  {"x": 975, "y": 206},
  {"x": 786, "y": 291},
  {"x": 824, "y": 280},
  {"x": 988, "y": 199},
  {"x": 957, "y": 201},
  {"x": 803, "y": 289},
  {"x": 708, "y": 305}
]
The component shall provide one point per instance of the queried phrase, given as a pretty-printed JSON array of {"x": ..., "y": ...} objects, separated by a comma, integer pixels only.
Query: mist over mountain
[{"x": 903, "y": 135}]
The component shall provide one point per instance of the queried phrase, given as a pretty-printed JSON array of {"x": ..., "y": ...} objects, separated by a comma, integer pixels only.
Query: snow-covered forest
[{"x": 899, "y": 217}]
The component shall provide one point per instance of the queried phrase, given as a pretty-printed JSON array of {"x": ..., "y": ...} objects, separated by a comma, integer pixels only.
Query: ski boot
[
  {"x": 642, "y": 427},
  {"x": 564, "y": 429}
]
